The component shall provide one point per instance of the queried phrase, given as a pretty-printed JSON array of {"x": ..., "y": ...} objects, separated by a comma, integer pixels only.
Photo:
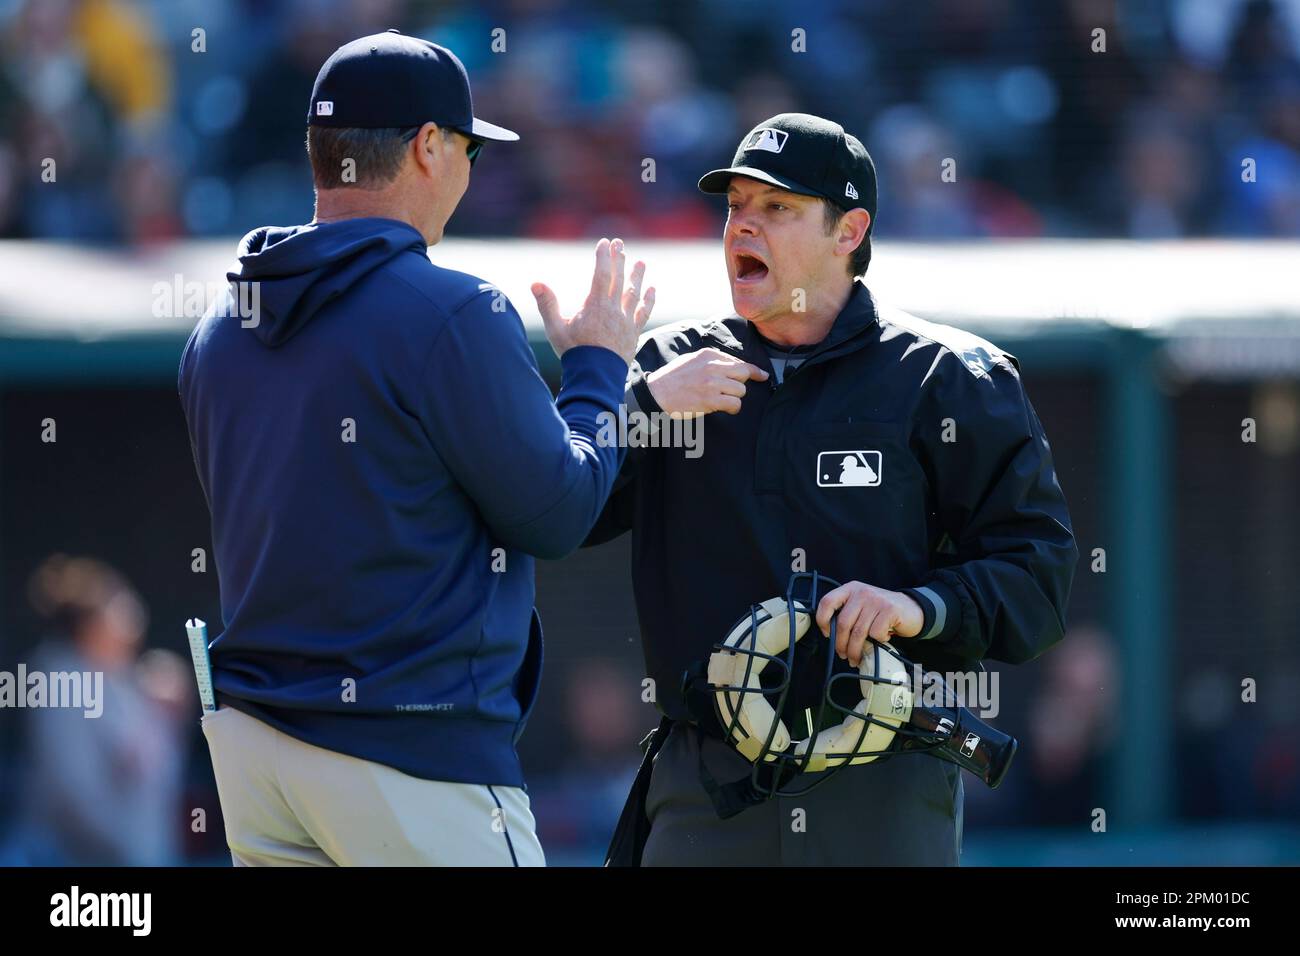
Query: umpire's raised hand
[{"x": 612, "y": 317}]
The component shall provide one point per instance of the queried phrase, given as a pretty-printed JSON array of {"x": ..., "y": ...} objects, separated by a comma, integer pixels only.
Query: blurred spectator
[
  {"x": 1161, "y": 178},
  {"x": 1269, "y": 204},
  {"x": 102, "y": 791},
  {"x": 1051, "y": 134},
  {"x": 578, "y": 803},
  {"x": 1238, "y": 759},
  {"x": 1071, "y": 722},
  {"x": 1262, "y": 50},
  {"x": 88, "y": 83}
]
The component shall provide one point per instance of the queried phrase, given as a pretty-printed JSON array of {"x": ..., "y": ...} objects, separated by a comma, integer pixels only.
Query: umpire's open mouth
[{"x": 749, "y": 268}]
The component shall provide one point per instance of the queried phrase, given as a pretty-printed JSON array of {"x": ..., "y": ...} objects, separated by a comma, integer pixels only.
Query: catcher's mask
[{"x": 743, "y": 691}]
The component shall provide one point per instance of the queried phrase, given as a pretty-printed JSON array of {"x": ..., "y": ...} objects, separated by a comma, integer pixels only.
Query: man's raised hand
[{"x": 613, "y": 315}]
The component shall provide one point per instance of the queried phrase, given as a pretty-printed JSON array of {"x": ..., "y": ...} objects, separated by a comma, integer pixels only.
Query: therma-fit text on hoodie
[{"x": 366, "y": 442}]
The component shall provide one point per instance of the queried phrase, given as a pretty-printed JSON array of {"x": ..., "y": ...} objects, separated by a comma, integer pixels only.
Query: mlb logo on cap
[
  {"x": 325, "y": 108},
  {"x": 770, "y": 140}
]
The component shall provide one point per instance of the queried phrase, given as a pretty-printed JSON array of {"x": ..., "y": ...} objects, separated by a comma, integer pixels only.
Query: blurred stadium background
[{"x": 1100, "y": 228}]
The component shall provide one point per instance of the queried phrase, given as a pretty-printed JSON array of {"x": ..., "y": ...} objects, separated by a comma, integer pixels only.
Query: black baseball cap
[
  {"x": 804, "y": 154},
  {"x": 392, "y": 80}
]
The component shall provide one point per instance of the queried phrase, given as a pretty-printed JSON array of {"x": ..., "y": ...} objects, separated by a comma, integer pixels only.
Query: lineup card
[{"x": 198, "y": 635}]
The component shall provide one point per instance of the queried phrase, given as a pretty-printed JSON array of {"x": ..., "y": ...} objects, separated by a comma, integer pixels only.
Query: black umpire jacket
[{"x": 958, "y": 496}]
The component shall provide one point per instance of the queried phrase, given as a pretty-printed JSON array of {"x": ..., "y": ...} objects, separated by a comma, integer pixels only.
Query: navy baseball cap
[
  {"x": 804, "y": 154},
  {"x": 392, "y": 80}
]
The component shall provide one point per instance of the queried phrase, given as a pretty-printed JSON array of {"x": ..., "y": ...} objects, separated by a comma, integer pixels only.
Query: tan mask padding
[{"x": 889, "y": 702}]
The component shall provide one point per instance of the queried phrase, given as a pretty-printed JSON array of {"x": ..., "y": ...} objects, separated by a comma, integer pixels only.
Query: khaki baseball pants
[{"x": 289, "y": 803}]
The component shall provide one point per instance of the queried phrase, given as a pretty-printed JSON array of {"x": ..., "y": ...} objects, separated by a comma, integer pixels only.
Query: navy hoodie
[{"x": 382, "y": 461}]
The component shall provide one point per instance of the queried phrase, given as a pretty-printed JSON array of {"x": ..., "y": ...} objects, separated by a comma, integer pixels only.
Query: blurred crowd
[{"x": 172, "y": 118}]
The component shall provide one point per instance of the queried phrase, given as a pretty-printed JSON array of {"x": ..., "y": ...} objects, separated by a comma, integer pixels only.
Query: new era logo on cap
[
  {"x": 770, "y": 140},
  {"x": 325, "y": 108},
  {"x": 849, "y": 191}
]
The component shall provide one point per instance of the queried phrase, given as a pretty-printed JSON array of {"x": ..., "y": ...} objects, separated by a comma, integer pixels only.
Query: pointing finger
[{"x": 744, "y": 371}]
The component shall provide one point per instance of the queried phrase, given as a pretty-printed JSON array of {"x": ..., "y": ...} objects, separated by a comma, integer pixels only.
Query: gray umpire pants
[
  {"x": 905, "y": 811},
  {"x": 289, "y": 803}
]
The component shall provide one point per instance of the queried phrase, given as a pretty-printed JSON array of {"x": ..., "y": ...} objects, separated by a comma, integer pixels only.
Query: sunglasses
[{"x": 472, "y": 150}]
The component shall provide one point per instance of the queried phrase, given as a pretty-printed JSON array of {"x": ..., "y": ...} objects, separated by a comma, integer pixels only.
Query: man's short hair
[
  {"x": 376, "y": 155},
  {"x": 861, "y": 257}
]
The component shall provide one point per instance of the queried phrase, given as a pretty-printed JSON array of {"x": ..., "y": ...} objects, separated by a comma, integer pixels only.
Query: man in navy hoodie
[{"x": 382, "y": 462}]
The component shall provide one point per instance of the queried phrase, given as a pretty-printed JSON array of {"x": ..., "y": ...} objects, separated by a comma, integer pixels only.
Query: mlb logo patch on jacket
[{"x": 849, "y": 469}]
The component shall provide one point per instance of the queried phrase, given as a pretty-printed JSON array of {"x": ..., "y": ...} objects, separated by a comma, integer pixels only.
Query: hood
[{"x": 299, "y": 269}]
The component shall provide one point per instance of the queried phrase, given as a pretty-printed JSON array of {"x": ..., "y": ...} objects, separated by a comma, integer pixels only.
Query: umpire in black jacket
[{"x": 890, "y": 453}]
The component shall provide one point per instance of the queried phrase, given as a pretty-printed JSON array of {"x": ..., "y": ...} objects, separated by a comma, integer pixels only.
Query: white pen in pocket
[{"x": 198, "y": 635}]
